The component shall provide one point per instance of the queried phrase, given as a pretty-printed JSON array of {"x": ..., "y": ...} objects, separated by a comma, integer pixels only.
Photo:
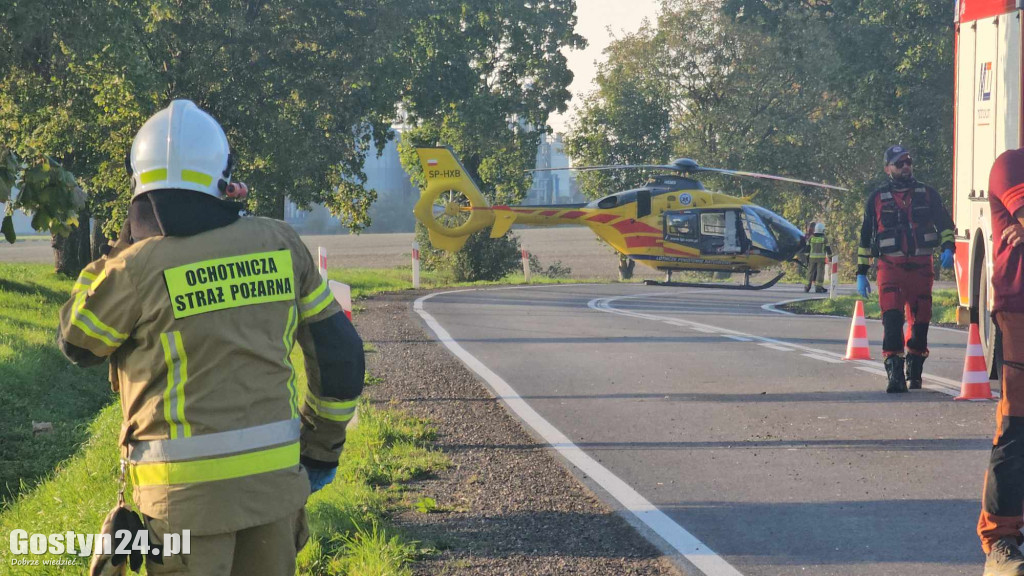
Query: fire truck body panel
[{"x": 987, "y": 117}]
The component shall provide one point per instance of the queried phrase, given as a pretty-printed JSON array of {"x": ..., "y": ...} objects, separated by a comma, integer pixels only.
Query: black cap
[{"x": 894, "y": 153}]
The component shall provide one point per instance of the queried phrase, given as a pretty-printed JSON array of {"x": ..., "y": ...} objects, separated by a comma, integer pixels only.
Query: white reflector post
[
  {"x": 321, "y": 259},
  {"x": 526, "y": 265},
  {"x": 834, "y": 267},
  {"x": 415, "y": 265},
  {"x": 343, "y": 295}
]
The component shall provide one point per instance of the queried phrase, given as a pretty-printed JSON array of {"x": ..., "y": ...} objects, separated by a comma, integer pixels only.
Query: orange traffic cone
[
  {"x": 974, "y": 384},
  {"x": 858, "y": 348}
]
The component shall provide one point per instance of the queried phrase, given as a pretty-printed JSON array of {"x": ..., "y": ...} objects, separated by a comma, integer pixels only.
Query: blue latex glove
[
  {"x": 947, "y": 258},
  {"x": 863, "y": 286},
  {"x": 320, "y": 477}
]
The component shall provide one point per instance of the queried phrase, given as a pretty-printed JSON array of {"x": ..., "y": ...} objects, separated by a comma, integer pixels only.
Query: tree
[
  {"x": 486, "y": 77},
  {"x": 52, "y": 197},
  {"x": 812, "y": 90}
]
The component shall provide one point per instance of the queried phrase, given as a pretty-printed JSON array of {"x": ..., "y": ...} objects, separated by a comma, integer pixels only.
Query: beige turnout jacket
[{"x": 199, "y": 330}]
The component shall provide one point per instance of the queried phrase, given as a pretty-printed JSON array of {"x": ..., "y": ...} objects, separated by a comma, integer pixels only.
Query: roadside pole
[
  {"x": 415, "y": 265},
  {"x": 834, "y": 281},
  {"x": 526, "y": 265},
  {"x": 321, "y": 254}
]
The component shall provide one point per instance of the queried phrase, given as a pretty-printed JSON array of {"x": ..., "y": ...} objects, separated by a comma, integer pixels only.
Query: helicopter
[{"x": 672, "y": 223}]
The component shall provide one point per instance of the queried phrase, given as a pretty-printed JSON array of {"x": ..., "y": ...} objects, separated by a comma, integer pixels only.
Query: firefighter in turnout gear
[
  {"x": 904, "y": 222},
  {"x": 1002, "y": 503},
  {"x": 817, "y": 250},
  {"x": 198, "y": 309}
]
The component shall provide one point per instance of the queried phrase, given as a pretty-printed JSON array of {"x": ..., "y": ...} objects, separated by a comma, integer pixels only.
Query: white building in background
[
  {"x": 556, "y": 187},
  {"x": 396, "y": 196}
]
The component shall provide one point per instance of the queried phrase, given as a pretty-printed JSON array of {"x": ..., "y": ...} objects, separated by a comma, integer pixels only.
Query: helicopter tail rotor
[{"x": 450, "y": 204}]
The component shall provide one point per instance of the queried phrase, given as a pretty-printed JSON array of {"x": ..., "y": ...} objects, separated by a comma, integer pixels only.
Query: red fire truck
[{"x": 987, "y": 117}]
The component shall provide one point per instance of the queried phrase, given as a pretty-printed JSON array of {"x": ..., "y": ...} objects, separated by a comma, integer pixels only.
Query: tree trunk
[
  {"x": 98, "y": 239},
  {"x": 71, "y": 253}
]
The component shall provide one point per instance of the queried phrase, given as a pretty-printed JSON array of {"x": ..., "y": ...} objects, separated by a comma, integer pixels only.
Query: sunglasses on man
[{"x": 903, "y": 163}]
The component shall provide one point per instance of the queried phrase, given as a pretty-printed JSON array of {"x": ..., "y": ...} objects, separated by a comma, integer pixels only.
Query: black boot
[
  {"x": 897, "y": 380},
  {"x": 915, "y": 365}
]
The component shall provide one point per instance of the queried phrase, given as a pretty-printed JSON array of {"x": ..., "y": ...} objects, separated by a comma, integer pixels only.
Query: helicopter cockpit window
[
  {"x": 788, "y": 237},
  {"x": 607, "y": 202},
  {"x": 759, "y": 235}
]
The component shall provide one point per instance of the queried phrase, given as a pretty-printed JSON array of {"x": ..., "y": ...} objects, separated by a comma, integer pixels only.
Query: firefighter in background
[
  {"x": 1001, "y": 509},
  {"x": 904, "y": 222},
  {"x": 817, "y": 250},
  {"x": 198, "y": 309}
]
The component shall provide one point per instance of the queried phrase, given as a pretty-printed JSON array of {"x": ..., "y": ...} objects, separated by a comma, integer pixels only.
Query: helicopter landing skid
[{"x": 745, "y": 286}]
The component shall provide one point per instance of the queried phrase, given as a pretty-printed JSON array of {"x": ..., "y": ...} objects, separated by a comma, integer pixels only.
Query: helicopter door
[{"x": 721, "y": 233}]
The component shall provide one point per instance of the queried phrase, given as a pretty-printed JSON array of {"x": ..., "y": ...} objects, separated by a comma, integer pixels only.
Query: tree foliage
[
  {"x": 489, "y": 98},
  {"x": 807, "y": 89},
  {"x": 305, "y": 90},
  {"x": 45, "y": 190}
]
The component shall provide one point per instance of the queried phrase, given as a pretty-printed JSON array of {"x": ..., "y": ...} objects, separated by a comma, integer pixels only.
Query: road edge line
[{"x": 677, "y": 537}]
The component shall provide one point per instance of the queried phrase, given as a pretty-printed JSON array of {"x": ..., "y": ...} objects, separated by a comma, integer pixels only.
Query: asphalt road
[{"x": 735, "y": 432}]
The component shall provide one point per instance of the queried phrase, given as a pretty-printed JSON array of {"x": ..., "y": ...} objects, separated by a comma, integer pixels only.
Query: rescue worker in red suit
[
  {"x": 1002, "y": 502},
  {"x": 904, "y": 222}
]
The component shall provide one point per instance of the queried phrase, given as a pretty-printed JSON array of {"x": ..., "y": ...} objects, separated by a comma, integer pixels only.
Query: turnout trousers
[
  {"x": 1003, "y": 498},
  {"x": 266, "y": 550},
  {"x": 815, "y": 271},
  {"x": 905, "y": 283}
]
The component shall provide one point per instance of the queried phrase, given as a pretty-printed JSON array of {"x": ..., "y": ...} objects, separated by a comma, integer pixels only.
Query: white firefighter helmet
[
  {"x": 819, "y": 228},
  {"x": 180, "y": 147}
]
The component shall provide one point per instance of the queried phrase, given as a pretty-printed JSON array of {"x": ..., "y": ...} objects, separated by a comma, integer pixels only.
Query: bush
[{"x": 482, "y": 258}]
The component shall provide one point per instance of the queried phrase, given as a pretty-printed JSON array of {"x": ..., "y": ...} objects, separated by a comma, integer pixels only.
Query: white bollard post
[
  {"x": 526, "y": 265},
  {"x": 415, "y": 265},
  {"x": 834, "y": 282},
  {"x": 321, "y": 256}
]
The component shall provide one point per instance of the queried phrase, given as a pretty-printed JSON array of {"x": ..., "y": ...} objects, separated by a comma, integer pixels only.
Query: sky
[{"x": 594, "y": 19}]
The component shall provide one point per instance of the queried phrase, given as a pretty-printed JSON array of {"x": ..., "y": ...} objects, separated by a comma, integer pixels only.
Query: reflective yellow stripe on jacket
[
  {"x": 336, "y": 411},
  {"x": 315, "y": 302},
  {"x": 289, "y": 342},
  {"x": 863, "y": 256},
  {"x": 177, "y": 376},
  {"x": 219, "y": 456},
  {"x": 87, "y": 322}
]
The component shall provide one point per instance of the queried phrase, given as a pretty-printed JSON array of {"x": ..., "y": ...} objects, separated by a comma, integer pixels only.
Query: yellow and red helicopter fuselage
[{"x": 671, "y": 223}]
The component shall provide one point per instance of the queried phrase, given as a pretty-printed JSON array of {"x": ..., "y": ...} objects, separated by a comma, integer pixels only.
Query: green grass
[
  {"x": 67, "y": 480},
  {"x": 944, "y": 305},
  {"x": 36, "y": 382},
  {"x": 366, "y": 281}
]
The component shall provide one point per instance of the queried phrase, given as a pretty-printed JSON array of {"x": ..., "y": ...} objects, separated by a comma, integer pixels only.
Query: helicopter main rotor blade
[
  {"x": 610, "y": 167},
  {"x": 771, "y": 177}
]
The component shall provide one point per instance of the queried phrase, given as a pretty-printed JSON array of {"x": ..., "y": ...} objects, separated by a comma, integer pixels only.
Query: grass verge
[
  {"x": 67, "y": 480},
  {"x": 367, "y": 281},
  {"x": 36, "y": 383},
  {"x": 944, "y": 305}
]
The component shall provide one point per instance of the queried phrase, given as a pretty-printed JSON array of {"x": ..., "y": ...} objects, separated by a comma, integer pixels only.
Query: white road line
[
  {"x": 936, "y": 383},
  {"x": 823, "y": 358},
  {"x": 776, "y": 347},
  {"x": 738, "y": 338},
  {"x": 695, "y": 551}
]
